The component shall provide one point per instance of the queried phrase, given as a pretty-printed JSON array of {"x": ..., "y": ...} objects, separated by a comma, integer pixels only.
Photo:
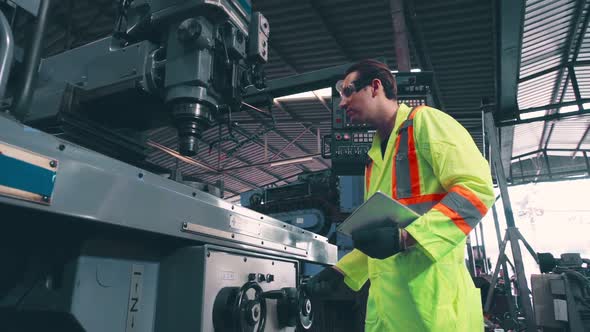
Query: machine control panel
[
  {"x": 350, "y": 141},
  {"x": 261, "y": 277}
]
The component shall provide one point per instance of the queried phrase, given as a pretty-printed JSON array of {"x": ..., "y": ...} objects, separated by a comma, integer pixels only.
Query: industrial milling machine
[{"x": 93, "y": 241}]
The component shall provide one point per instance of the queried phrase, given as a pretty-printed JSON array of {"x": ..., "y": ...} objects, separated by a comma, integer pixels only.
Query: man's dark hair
[{"x": 371, "y": 69}]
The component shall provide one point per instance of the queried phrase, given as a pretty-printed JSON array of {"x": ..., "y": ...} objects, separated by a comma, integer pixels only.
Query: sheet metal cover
[{"x": 372, "y": 212}]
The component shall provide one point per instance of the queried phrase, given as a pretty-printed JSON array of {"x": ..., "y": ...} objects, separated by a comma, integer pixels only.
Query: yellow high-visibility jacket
[{"x": 432, "y": 165}]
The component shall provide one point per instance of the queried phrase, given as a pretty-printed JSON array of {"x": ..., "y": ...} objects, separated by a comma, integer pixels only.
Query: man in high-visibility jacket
[{"x": 425, "y": 159}]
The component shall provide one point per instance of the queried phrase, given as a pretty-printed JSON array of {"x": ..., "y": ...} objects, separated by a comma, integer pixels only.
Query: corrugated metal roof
[
  {"x": 528, "y": 137},
  {"x": 567, "y": 133},
  {"x": 552, "y": 33}
]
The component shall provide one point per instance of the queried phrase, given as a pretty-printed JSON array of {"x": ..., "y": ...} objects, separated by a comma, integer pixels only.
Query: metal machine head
[{"x": 187, "y": 62}]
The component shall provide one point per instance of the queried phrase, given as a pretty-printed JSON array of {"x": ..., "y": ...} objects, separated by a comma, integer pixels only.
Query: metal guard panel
[
  {"x": 26, "y": 175},
  {"x": 95, "y": 187}
]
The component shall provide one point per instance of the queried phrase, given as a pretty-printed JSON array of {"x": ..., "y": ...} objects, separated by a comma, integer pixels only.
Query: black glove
[
  {"x": 324, "y": 283},
  {"x": 378, "y": 242}
]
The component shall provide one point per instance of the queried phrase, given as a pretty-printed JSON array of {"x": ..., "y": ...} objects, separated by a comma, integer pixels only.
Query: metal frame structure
[
  {"x": 545, "y": 169},
  {"x": 512, "y": 235},
  {"x": 565, "y": 75},
  {"x": 554, "y": 107}
]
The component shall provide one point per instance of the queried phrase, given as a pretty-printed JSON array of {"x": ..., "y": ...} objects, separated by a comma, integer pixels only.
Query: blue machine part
[
  {"x": 26, "y": 175},
  {"x": 351, "y": 192}
]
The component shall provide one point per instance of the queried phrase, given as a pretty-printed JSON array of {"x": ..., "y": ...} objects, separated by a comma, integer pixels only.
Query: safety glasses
[{"x": 352, "y": 87}]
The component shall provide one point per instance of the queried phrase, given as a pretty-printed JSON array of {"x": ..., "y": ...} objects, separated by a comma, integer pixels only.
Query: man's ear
[{"x": 375, "y": 84}]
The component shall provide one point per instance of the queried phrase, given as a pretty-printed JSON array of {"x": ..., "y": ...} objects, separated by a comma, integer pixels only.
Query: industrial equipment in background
[
  {"x": 349, "y": 141},
  {"x": 561, "y": 294},
  {"x": 311, "y": 202},
  {"x": 93, "y": 241}
]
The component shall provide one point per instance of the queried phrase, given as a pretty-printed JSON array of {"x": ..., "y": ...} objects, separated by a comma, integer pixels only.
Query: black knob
[
  {"x": 270, "y": 278},
  {"x": 251, "y": 276},
  {"x": 261, "y": 277}
]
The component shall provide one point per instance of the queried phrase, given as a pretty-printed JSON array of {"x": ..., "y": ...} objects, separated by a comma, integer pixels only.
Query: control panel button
[{"x": 270, "y": 278}]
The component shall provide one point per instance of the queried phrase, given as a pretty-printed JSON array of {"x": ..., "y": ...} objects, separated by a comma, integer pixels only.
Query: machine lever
[{"x": 275, "y": 294}]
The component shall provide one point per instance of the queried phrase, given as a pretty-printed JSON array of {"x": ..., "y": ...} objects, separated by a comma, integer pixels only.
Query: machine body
[{"x": 93, "y": 242}]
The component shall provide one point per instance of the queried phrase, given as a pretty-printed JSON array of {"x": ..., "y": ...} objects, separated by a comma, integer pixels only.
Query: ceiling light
[
  {"x": 413, "y": 70},
  {"x": 291, "y": 161},
  {"x": 325, "y": 92}
]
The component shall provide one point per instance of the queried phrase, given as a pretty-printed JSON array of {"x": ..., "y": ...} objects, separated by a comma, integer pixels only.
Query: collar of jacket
[{"x": 375, "y": 151}]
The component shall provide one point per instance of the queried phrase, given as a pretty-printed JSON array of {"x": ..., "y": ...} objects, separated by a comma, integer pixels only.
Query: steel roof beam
[
  {"x": 509, "y": 23},
  {"x": 345, "y": 50},
  {"x": 402, "y": 50},
  {"x": 510, "y": 18},
  {"x": 543, "y": 118},
  {"x": 581, "y": 141},
  {"x": 422, "y": 52}
]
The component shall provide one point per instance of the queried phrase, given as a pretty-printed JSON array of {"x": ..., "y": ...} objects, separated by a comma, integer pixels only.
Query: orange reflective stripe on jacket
[
  {"x": 412, "y": 158},
  {"x": 368, "y": 170},
  {"x": 461, "y": 205},
  {"x": 405, "y": 177}
]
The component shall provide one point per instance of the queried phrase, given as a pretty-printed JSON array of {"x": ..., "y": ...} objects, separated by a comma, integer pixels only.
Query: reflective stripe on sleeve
[
  {"x": 473, "y": 199},
  {"x": 455, "y": 217},
  {"x": 463, "y": 207}
]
